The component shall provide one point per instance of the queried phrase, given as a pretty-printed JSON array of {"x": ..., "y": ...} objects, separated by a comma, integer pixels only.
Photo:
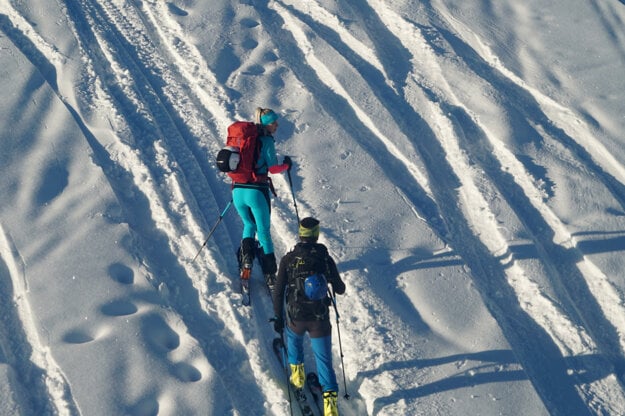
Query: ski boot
[
  {"x": 297, "y": 375},
  {"x": 246, "y": 260},
  {"x": 268, "y": 264},
  {"x": 329, "y": 403},
  {"x": 246, "y": 257},
  {"x": 270, "y": 281}
]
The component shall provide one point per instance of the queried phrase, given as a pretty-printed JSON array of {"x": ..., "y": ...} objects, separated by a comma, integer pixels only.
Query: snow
[{"x": 466, "y": 161}]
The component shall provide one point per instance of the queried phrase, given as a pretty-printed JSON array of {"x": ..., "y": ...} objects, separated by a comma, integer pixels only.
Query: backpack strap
[{"x": 255, "y": 178}]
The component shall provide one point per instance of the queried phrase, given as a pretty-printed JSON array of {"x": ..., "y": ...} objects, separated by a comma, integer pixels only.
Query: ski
[
  {"x": 245, "y": 272},
  {"x": 299, "y": 394},
  {"x": 270, "y": 282},
  {"x": 244, "y": 280},
  {"x": 315, "y": 389},
  {"x": 245, "y": 276},
  {"x": 270, "y": 279}
]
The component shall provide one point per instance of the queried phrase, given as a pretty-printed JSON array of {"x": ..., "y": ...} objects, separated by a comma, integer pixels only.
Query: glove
[
  {"x": 287, "y": 161},
  {"x": 278, "y": 324}
]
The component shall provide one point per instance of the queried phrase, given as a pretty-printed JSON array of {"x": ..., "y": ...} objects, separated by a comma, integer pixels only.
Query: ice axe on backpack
[{"x": 213, "y": 229}]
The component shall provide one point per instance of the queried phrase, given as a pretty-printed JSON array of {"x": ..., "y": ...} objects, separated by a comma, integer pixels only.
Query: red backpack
[{"x": 238, "y": 158}]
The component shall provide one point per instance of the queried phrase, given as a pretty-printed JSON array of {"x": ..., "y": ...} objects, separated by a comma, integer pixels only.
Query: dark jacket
[{"x": 306, "y": 257}]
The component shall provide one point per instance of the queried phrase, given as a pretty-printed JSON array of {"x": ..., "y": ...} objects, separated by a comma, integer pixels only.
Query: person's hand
[
  {"x": 278, "y": 324},
  {"x": 287, "y": 161}
]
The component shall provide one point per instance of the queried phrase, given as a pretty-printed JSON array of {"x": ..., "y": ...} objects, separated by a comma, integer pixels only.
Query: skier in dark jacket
[{"x": 302, "y": 277}]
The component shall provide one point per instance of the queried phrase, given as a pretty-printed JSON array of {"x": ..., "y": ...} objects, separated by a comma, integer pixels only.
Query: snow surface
[{"x": 466, "y": 160}]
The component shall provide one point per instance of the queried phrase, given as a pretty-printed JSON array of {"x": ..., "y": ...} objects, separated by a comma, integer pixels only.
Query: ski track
[
  {"x": 187, "y": 157},
  {"x": 554, "y": 242},
  {"x": 600, "y": 309},
  {"x": 162, "y": 151},
  {"x": 41, "y": 382},
  {"x": 556, "y": 247},
  {"x": 135, "y": 173},
  {"x": 160, "y": 93},
  {"x": 331, "y": 92}
]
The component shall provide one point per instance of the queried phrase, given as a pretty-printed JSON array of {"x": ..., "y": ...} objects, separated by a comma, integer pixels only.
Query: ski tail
[
  {"x": 245, "y": 270},
  {"x": 312, "y": 381},
  {"x": 270, "y": 283}
]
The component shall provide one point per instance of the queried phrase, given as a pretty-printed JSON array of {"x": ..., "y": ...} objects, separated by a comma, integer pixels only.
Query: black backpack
[{"x": 307, "y": 287}]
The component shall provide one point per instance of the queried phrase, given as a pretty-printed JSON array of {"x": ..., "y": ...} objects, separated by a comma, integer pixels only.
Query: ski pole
[
  {"x": 288, "y": 172},
  {"x": 213, "y": 229},
  {"x": 338, "y": 331},
  {"x": 286, "y": 370}
]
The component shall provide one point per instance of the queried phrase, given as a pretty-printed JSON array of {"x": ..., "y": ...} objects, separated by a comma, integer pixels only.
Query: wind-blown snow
[{"x": 466, "y": 161}]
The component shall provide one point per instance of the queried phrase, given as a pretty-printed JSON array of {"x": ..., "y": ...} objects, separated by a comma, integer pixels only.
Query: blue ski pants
[{"x": 322, "y": 350}]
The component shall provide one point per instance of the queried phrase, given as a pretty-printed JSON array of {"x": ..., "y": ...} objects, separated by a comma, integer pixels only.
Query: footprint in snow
[
  {"x": 186, "y": 372},
  {"x": 249, "y": 23},
  {"x": 249, "y": 44},
  {"x": 118, "y": 308},
  {"x": 121, "y": 273},
  {"x": 147, "y": 406},
  {"x": 254, "y": 70},
  {"x": 77, "y": 336},
  {"x": 173, "y": 9},
  {"x": 84, "y": 334},
  {"x": 159, "y": 335},
  {"x": 55, "y": 179}
]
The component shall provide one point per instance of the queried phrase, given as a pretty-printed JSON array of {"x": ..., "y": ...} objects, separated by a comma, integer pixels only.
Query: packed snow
[{"x": 466, "y": 161}]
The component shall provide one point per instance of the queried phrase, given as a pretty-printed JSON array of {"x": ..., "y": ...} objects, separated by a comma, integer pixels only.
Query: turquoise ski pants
[{"x": 254, "y": 208}]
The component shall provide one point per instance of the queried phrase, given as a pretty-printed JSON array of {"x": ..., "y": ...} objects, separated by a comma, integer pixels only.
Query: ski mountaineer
[
  {"x": 302, "y": 278},
  {"x": 252, "y": 200}
]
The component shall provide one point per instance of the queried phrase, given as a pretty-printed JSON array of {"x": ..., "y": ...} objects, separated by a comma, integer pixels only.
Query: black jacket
[{"x": 316, "y": 257}]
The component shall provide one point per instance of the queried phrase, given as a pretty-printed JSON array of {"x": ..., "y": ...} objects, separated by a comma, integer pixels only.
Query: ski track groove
[
  {"x": 434, "y": 158},
  {"x": 48, "y": 391},
  {"x": 608, "y": 336},
  {"x": 41, "y": 381},
  {"x": 370, "y": 138},
  {"x": 557, "y": 121},
  {"x": 555, "y": 243},
  {"x": 243, "y": 334},
  {"x": 220, "y": 301},
  {"x": 120, "y": 178},
  {"x": 539, "y": 220}
]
